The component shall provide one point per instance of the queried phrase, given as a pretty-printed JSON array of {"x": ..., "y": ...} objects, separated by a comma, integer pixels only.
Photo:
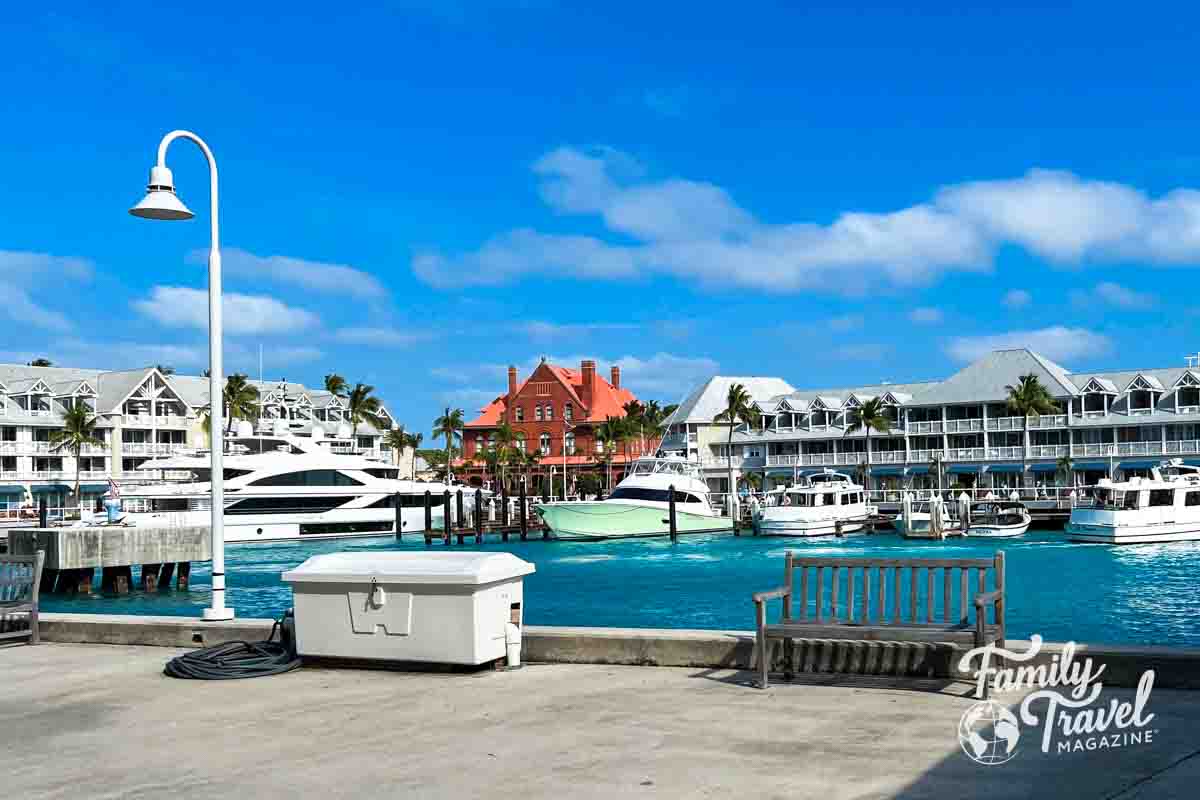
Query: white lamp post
[{"x": 161, "y": 202}]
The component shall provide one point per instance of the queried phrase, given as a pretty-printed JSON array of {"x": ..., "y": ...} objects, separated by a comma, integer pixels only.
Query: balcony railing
[
  {"x": 966, "y": 453},
  {"x": 1005, "y": 452},
  {"x": 1049, "y": 450},
  {"x": 155, "y": 420},
  {"x": 922, "y": 456},
  {"x": 1183, "y": 446},
  {"x": 925, "y": 427},
  {"x": 963, "y": 425},
  {"x": 151, "y": 448},
  {"x": 8, "y": 447},
  {"x": 888, "y": 457},
  {"x": 49, "y": 473}
]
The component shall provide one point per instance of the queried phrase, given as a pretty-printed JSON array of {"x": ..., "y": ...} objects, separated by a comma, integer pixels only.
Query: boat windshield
[{"x": 1116, "y": 499}]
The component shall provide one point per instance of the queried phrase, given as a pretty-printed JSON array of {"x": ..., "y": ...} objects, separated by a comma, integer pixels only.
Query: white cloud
[
  {"x": 379, "y": 337},
  {"x": 1115, "y": 295},
  {"x": 24, "y": 272},
  {"x": 847, "y": 322},
  {"x": 182, "y": 307},
  {"x": 696, "y": 231},
  {"x": 1057, "y": 343},
  {"x": 315, "y": 276},
  {"x": 1017, "y": 298},
  {"x": 119, "y": 355},
  {"x": 540, "y": 329},
  {"x": 926, "y": 316}
]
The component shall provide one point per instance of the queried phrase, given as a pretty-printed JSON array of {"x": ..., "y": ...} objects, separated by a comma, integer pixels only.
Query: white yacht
[
  {"x": 639, "y": 505},
  {"x": 824, "y": 504},
  {"x": 998, "y": 519},
  {"x": 1162, "y": 508},
  {"x": 288, "y": 487}
]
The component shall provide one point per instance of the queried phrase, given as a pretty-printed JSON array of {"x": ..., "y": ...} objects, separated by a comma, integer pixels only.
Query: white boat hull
[
  {"x": 617, "y": 519},
  {"x": 241, "y": 528},
  {"x": 798, "y": 527},
  {"x": 1134, "y": 534},
  {"x": 998, "y": 531}
]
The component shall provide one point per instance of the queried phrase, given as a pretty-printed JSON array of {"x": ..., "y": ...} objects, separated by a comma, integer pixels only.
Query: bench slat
[
  {"x": 929, "y": 594},
  {"x": 912, "y": 593},
  {"x": 881, "y": 595},
  {"x": 804, "y": 594},
  {"x": 880, "y": 633},
  {"x": 964, "y": 575},
  {"x": 850, "y": 594},
  {"x": 812, "y": 561},
  {"x": 820, "y": 594},
  {"x": 947, "y": 594},
  {"x": 833, "y": 593},
  {"x": 895, "y": 595}
]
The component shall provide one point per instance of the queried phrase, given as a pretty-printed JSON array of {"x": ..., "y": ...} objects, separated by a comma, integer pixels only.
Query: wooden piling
[
  {"x": 43, "y": 513},
  {"x": 503, "y": 507},
  {"x": 399, "y": 516},
  {"x": 521, "y": 513},
  {"x": 458, "y": 506},
  {"x": 428, "y": 518},
  {"x": 671, "y": 522},
  {"x": 150, "y": 577},
  {"x": 447, "y": 519},
  {"x": 478, "y": 515},
  {"x": 184, "y": 574},
  {"x": 165, "y": 573},
  {"x": 122, "y": 579}
]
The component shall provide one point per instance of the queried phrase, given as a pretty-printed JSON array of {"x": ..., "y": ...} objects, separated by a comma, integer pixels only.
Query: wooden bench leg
[{"x": 761, "y": 636}]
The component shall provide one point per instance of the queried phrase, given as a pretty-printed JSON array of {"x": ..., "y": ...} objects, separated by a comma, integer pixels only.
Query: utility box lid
[{"x": 471, "y": 569}]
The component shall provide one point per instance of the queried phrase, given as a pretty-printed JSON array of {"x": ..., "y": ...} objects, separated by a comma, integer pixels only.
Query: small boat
[
  {"x": 1162, "y": 508},
  {"x": 925, "y": 520},
  {"x": 998, "y": 519},
  {"x": 824, "y": 504},
  {"x": 639, "y": 505}
]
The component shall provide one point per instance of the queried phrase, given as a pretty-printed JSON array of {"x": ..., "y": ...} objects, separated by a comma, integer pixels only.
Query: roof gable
[
  {"x": 1143, "y": 382},
  {"x": 988, "y": 378},
  {"x": 1188, "y": 378},
  {"x": 1097, "y": 385}
]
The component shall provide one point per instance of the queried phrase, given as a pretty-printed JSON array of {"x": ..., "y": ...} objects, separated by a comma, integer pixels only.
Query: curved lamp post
[{"x": 161, "y": 202}]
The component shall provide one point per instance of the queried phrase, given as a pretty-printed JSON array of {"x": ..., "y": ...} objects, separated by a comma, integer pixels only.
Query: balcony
[
  {"x": 963, "y": 425},
  {"x": 888, "y": 457},
  {"x": 925, "y": 427},
  {"x": 1005, "y": 453},
  {"x": 738, "y": 461},
  {"x": 155, "y": 421},
  {"x": 1049, "y": 450},
  {"x": 1006, "y": 423},
  {"x": 1183, "y": 446},
  {"x": 8, "y": 447},
  {"x": 788, "y": 460},
  {"x": 966, "y": 454},
  {"x": 151, "y": 448},
  {"x": 93, "y": 473},
  {"x": 922, "y": 456},
  {"x": 47, "y": 474},
  {"x": 825, "y": 459},
  {"x": 1121, "y": 449},
  {"x": 1048, "y": 421}
]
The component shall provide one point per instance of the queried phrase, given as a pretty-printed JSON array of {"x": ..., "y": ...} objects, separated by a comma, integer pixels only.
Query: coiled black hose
[{"x": 233, "y": 660}]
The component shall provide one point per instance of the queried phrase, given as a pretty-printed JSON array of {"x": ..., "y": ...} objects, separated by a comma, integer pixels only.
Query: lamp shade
[{"x": 160, "y": 201}]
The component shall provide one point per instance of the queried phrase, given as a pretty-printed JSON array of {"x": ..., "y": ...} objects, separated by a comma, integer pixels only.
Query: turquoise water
[{"x": 1145, "y": 594}]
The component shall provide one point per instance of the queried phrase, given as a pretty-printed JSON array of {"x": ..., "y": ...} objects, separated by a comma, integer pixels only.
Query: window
[
  {"x": 656, "y": 495},
  {"x": 568, "y": 411},
  {"x": 569, "y": 443},
  {"x": 312, "y": 477},
  {"x": 478, "y": 444},
  {"x": 284, "y": 505},
  {"x": 1192, "y": 498},
  {"x": 519, "y": 413},
  {"x": 544, "y": 443},
  {"x": 537, "y": 412},
  {"x": 521, "y": 442},
  {"x": 1131, "y": 500},
  {"x": 549, "y": 412},
  {"x": 390, "y": 474},
  {"x": 1162, "y": 497},
  {"x": 406, "y": 501},
  {"x": 8, "y": 434}
]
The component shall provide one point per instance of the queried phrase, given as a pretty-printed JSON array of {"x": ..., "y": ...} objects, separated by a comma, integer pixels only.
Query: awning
[
  {"x": 57, "y": 488},
  {"x": 1142, "y": 464},
  {"x": 1090, "y": 466},
  {"x": 12, "y": 489},
  {"x": 918, "y": 469},
  {"x": 887, "y": 470},
  {"x": 1005, "y": 468},
  {"x": 962, "y": 469},
  {"x": 1043, "y": 467},
  {"x": 93, "y": 488}
]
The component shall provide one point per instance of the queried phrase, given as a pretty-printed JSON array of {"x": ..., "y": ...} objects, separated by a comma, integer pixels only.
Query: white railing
[
  {"x": 966, "y": 453},
  {"x": 1049, "y": 450},
  {"x": 1183, "y": 446},
  {"x": 1005, "y": 423},
  {"x": 40, "y": 447},
  {"x": 788, "y": 460},
  {"x": 925, "y": 427},
  {"x": 1062, "y": 496},
  {"x": 93, "y": 473},
  {"x": 139, "y": 419},
  {"x": 888, "y": 457},
  {"x": 1086, "y": 450},
  {"x": 922, "y": 456},
  {"x": 51, "y": 473},
  {"x": 963, "y": 425},
  {"x": 828, "y": 459},
  {"x": 1006, "y": 452},
  {"x": 10, "y": 475},
  {"x": 1188, "y": 410},
  {"x": 94, "y": 450},
  {"x": 8, "y": 447},
  {"x": 1048, "y": 421}
]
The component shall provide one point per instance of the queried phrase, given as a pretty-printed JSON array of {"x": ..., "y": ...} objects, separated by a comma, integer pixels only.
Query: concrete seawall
[{"x": 1175, "y": 668}]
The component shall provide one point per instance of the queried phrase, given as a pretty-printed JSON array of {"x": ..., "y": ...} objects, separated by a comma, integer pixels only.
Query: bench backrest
[
  {"x": 19, "y": 577},
  {"x": 890, "y": 591}
]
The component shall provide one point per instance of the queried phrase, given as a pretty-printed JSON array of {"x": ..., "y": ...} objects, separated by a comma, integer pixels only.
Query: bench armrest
[
  {"x": 988, "y": 598},
  {"x": 762, "y": 597}
]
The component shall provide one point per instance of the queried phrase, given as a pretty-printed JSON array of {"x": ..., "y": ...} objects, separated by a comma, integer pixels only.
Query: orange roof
[{"x": 607, "y": 400}]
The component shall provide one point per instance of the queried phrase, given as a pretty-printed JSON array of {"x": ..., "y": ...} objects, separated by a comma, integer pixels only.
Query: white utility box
[{"x": 447, "y": 608}]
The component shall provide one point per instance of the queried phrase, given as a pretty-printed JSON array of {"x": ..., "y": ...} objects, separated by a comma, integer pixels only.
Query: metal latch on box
[{"x": 376, "y": 610}]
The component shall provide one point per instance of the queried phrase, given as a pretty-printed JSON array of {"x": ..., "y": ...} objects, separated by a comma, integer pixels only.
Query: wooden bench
[
  {"x": 887, "y": 609},
  {"x": 20, "y": 579}
]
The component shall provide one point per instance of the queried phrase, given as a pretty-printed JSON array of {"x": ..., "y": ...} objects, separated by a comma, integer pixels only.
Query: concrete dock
[{"x": 102, "y": 720}]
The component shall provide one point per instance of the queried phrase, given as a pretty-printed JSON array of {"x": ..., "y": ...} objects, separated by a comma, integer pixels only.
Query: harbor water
[{"x": 1143, "y": 594}]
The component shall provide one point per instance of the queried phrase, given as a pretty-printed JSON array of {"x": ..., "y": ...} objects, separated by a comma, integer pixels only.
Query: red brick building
[{"x": 556, "y": 408}]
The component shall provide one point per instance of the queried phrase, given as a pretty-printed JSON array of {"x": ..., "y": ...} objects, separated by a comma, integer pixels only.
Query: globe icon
[{"x": 988, "y": 733}]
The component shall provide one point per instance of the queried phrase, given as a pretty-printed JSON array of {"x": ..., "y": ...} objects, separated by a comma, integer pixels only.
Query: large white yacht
[
  {"x": 825, "y": 503},
  {"x": 639, "y": 505},
  {"x": 287, "y": 487},
  {"x": 1162, "y": 508}
]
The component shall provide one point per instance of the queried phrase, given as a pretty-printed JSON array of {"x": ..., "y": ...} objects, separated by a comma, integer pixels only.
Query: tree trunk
[
  {"x": 78, "y": 499},
  {"x": 731, "y": 499}
]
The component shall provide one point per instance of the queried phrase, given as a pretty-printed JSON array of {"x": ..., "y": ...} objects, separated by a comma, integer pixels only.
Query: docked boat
[
  {"x": 639, "y": 505},
  {"x": 925, "y": 520},
  {"x": 998, "y": 519},
  {"x": 288, "y": 487},
  {"x": 823, "y": 504},
  {"x": 1162, "y": 508}
]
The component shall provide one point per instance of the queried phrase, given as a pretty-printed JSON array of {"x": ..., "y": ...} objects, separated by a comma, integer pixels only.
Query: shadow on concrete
[{"x": 749, "y": 679}]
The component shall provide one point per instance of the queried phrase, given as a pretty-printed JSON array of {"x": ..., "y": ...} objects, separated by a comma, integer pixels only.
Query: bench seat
[{"x": 954, "y": 633}]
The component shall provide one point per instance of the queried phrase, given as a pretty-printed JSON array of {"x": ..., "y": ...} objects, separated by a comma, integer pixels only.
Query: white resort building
[
  {"x": 1107, "y": 424},
  {"x": 142, "y": 414}
]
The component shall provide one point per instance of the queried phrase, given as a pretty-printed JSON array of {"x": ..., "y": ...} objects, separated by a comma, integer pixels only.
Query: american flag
[{"x": 113, "y": 489}]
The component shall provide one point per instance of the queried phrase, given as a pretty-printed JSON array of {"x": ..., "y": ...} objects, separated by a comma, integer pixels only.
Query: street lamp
[{"x": 161, "y": 202}]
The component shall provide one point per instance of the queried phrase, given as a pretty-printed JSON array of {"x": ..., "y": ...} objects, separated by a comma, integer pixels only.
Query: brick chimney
[
  {"x": 512, "y": 385},
  {"x": 588, "y": 369},
  {"x": 616, "y": 377}
]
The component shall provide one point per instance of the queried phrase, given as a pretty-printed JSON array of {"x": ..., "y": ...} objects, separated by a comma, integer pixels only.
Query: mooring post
[
  {"x": 671, "y": 513},
  {"x": 165, "y": 574},
  {"x": 479, "y": 515},
  {"x": 458, "y": 504},
  {"x": 184, "y": 574},
  {"x": 837, "y": 528},
  {"x": 521, "y": 513},
  {"x": 503, "y": 507},
  {"x": 447, "y": 518},
  {"x": 428, "y": 517},
  {"x": 150, "y": 577},
  {"x": 399, "y": 516},
  {"x": 43, "y": 513}
]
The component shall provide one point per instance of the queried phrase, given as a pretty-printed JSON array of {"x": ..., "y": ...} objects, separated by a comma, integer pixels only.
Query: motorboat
[
  {"x": 1162, "y": 508},
  {"x": 925, "y": 520},
  {"x": 287, "y": 487},
  {"x": 819, "y": 505},
  {"x": 640, "y": 505},
  {"x": 998, "y": 519}
]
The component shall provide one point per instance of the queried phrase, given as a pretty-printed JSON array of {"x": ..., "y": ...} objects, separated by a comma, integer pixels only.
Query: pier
[{"x": 74, "y": 555}]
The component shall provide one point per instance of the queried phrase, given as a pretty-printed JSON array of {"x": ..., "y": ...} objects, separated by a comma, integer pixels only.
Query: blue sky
[{"x": 417, "y": 194}]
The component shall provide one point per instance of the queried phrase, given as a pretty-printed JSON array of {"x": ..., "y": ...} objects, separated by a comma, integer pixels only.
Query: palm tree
[
  {"x": 241, "y": 399},
  {"x": 1029, "y": 398},
  {"x": 336, "y": 385},
  {"x": 870, "y": 416},
  {"x": 165, "y": 370},
  {"x": 41, "y": 362},
  {"x": 414, "y": 440},
  {"x": 397, "y": 440},
  {"x": 450, "y": 427},
  {"x": 363, "y": 406},
  {"x": 79, "y": 429},
  {"x": 635, "y": 421},
  {"x": 606, "y": 436},
  {"x": 739, "y": 407},
  {"x": 1064, "y": 465}
]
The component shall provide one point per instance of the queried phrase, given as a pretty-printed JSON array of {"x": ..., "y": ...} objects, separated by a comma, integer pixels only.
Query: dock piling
[
  {"x": 165, "y": 573},
  {"x": 521, "y": 513},
  {"x": 43, "y": 513},
  {"x": 503, "y": 507},
  {"x": 478, "y": 515},
  {"x": 150, "y": 577},
  {"x": 184, "y": 574},
  {"x": 428, "y": 517},
  {"x": 447, "y": 518},
  {"x": 458, "y": 506},
  {"x": 399, "y": 516},
  {"x": 671, "y": 522}
]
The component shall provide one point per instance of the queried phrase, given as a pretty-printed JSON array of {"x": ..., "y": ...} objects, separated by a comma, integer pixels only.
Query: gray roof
[
  {"x": 987, "y": 380},
  {"x": 802, "y": 398},
  {"x": 708, "y": 400}
]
